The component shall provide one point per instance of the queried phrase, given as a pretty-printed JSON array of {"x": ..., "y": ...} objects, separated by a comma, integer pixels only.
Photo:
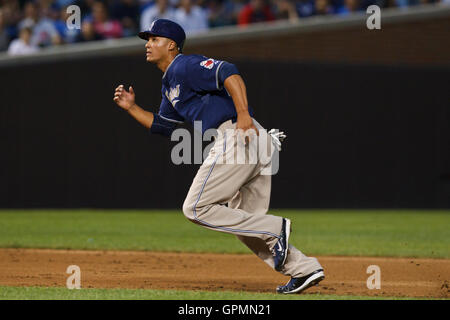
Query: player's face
[{"x": 157, "y": 49}]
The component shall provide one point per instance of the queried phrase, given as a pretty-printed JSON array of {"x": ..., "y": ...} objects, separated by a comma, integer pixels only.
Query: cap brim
[{"x": 146, "y": 34}]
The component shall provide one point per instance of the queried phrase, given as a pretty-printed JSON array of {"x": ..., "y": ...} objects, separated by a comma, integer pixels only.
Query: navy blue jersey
[{"x": 192, "y": 90}]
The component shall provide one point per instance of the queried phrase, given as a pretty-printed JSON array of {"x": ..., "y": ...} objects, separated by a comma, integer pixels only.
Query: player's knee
[
  {"x": 188, "y": 209},
  {"x": 193, "y": 210}
]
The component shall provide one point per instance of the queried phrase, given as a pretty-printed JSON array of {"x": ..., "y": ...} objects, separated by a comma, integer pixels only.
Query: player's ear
[{"x": 172, "y": 45}]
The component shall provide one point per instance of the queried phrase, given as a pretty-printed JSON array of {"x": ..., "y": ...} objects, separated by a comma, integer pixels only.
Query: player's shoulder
[
  {"x": 186, "y": 58},
  {"x": 188, "y": 63},
  {"x": 193, "y": 59}
]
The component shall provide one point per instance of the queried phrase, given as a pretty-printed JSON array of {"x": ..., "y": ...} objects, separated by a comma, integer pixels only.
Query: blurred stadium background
[{"x": 366, "y": 111}]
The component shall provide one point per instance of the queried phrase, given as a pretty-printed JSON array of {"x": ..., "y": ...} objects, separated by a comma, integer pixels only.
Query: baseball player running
[{"x": 232, "y": 198}]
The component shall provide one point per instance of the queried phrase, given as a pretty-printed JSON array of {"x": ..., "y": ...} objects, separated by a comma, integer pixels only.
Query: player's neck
[{"x": 164, "y": 64}]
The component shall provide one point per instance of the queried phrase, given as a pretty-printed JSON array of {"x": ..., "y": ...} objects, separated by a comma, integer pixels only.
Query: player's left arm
[
  {"x": 236, "y": 89},
  {"x": 210, "y": 75}
]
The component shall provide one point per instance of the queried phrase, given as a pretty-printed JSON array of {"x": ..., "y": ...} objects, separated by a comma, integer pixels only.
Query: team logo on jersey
[
  {"x": 173, "y": 95},
  {"x": 208, "y": 64}
]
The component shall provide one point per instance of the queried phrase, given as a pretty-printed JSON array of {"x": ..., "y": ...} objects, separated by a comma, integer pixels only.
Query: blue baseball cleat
[
  {"x": 280, "y": 249},
  {"x": 297, "y": 285}
]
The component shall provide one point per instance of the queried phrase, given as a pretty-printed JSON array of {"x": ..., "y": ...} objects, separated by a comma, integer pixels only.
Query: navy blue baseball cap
[{"x": 167, "y": 29}]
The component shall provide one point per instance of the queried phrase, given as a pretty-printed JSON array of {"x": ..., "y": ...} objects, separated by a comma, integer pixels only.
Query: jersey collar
[{"x": 171, "y": 64}]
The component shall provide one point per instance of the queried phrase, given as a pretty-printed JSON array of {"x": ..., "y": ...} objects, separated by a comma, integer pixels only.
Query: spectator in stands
[
  {"x": 366, "y": 3},
  {"x": 47, "y": 18},
  {"x": 12, "y": 14},
  {"x": 144, "y": 3},
  {"x": 85, "y": 8},
  {"x": 44, "y": 31},
  {"x": 127, "y": 12},
  {"x": 286, "y": 10},
  {"x": 221, "y": 12},
  {"x": 88, "y": 32},
  {"x": 103, "y": 25},
  {"x": 305, "y": 8},
  {"x": 349, "y": 6},
  {"x": 401, "y": 3},
  {"x": 238, "y": 6},
  {"x": 64, "y": 3},
  {"x": 323, "y": 7},
  {"x": 409, "y": 3},
  {"x": 4, "y": 38},
  {"x": 31, "y": 16},
  {"x": 235, "y": 8},
  {"x": 160, "y": 10},
  {"x": 22, "y": 45},
  {"x": 256, "y": 11},
  {"x": 47, "y": 8},
  {"x": 191, "y": 17}
]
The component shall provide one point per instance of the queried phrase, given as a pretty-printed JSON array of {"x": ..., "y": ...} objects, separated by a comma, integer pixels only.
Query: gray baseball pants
[{"x": 233, "y": 196}]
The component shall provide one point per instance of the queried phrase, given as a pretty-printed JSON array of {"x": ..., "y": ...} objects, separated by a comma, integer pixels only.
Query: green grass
[
  {"x": 41, "y": 293},
  {"x": 373, "y": 233},
  {"x": 404, "y": 233}
]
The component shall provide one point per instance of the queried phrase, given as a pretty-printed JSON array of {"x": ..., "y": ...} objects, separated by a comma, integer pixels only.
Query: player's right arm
[
  {"x": 126, "y": 100},
  {"x": 163, "y": 122}
]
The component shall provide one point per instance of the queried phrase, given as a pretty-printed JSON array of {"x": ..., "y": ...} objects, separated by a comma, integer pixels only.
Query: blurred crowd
[{"x": 28, "y": 25}]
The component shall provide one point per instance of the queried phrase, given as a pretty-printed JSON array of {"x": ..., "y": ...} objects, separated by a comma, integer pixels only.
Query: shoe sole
[{"x": 311, "y": 281}]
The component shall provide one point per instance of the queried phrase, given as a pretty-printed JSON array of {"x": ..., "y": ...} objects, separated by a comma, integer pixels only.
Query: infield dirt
[{"x": 402, "y": 277}]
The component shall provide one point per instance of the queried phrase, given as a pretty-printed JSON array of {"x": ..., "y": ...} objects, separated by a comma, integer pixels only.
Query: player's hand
[
  {"x": 277, "y": 137},
  {"x": 245, "y": 127},
  {"x": 124, "y": 99}
]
